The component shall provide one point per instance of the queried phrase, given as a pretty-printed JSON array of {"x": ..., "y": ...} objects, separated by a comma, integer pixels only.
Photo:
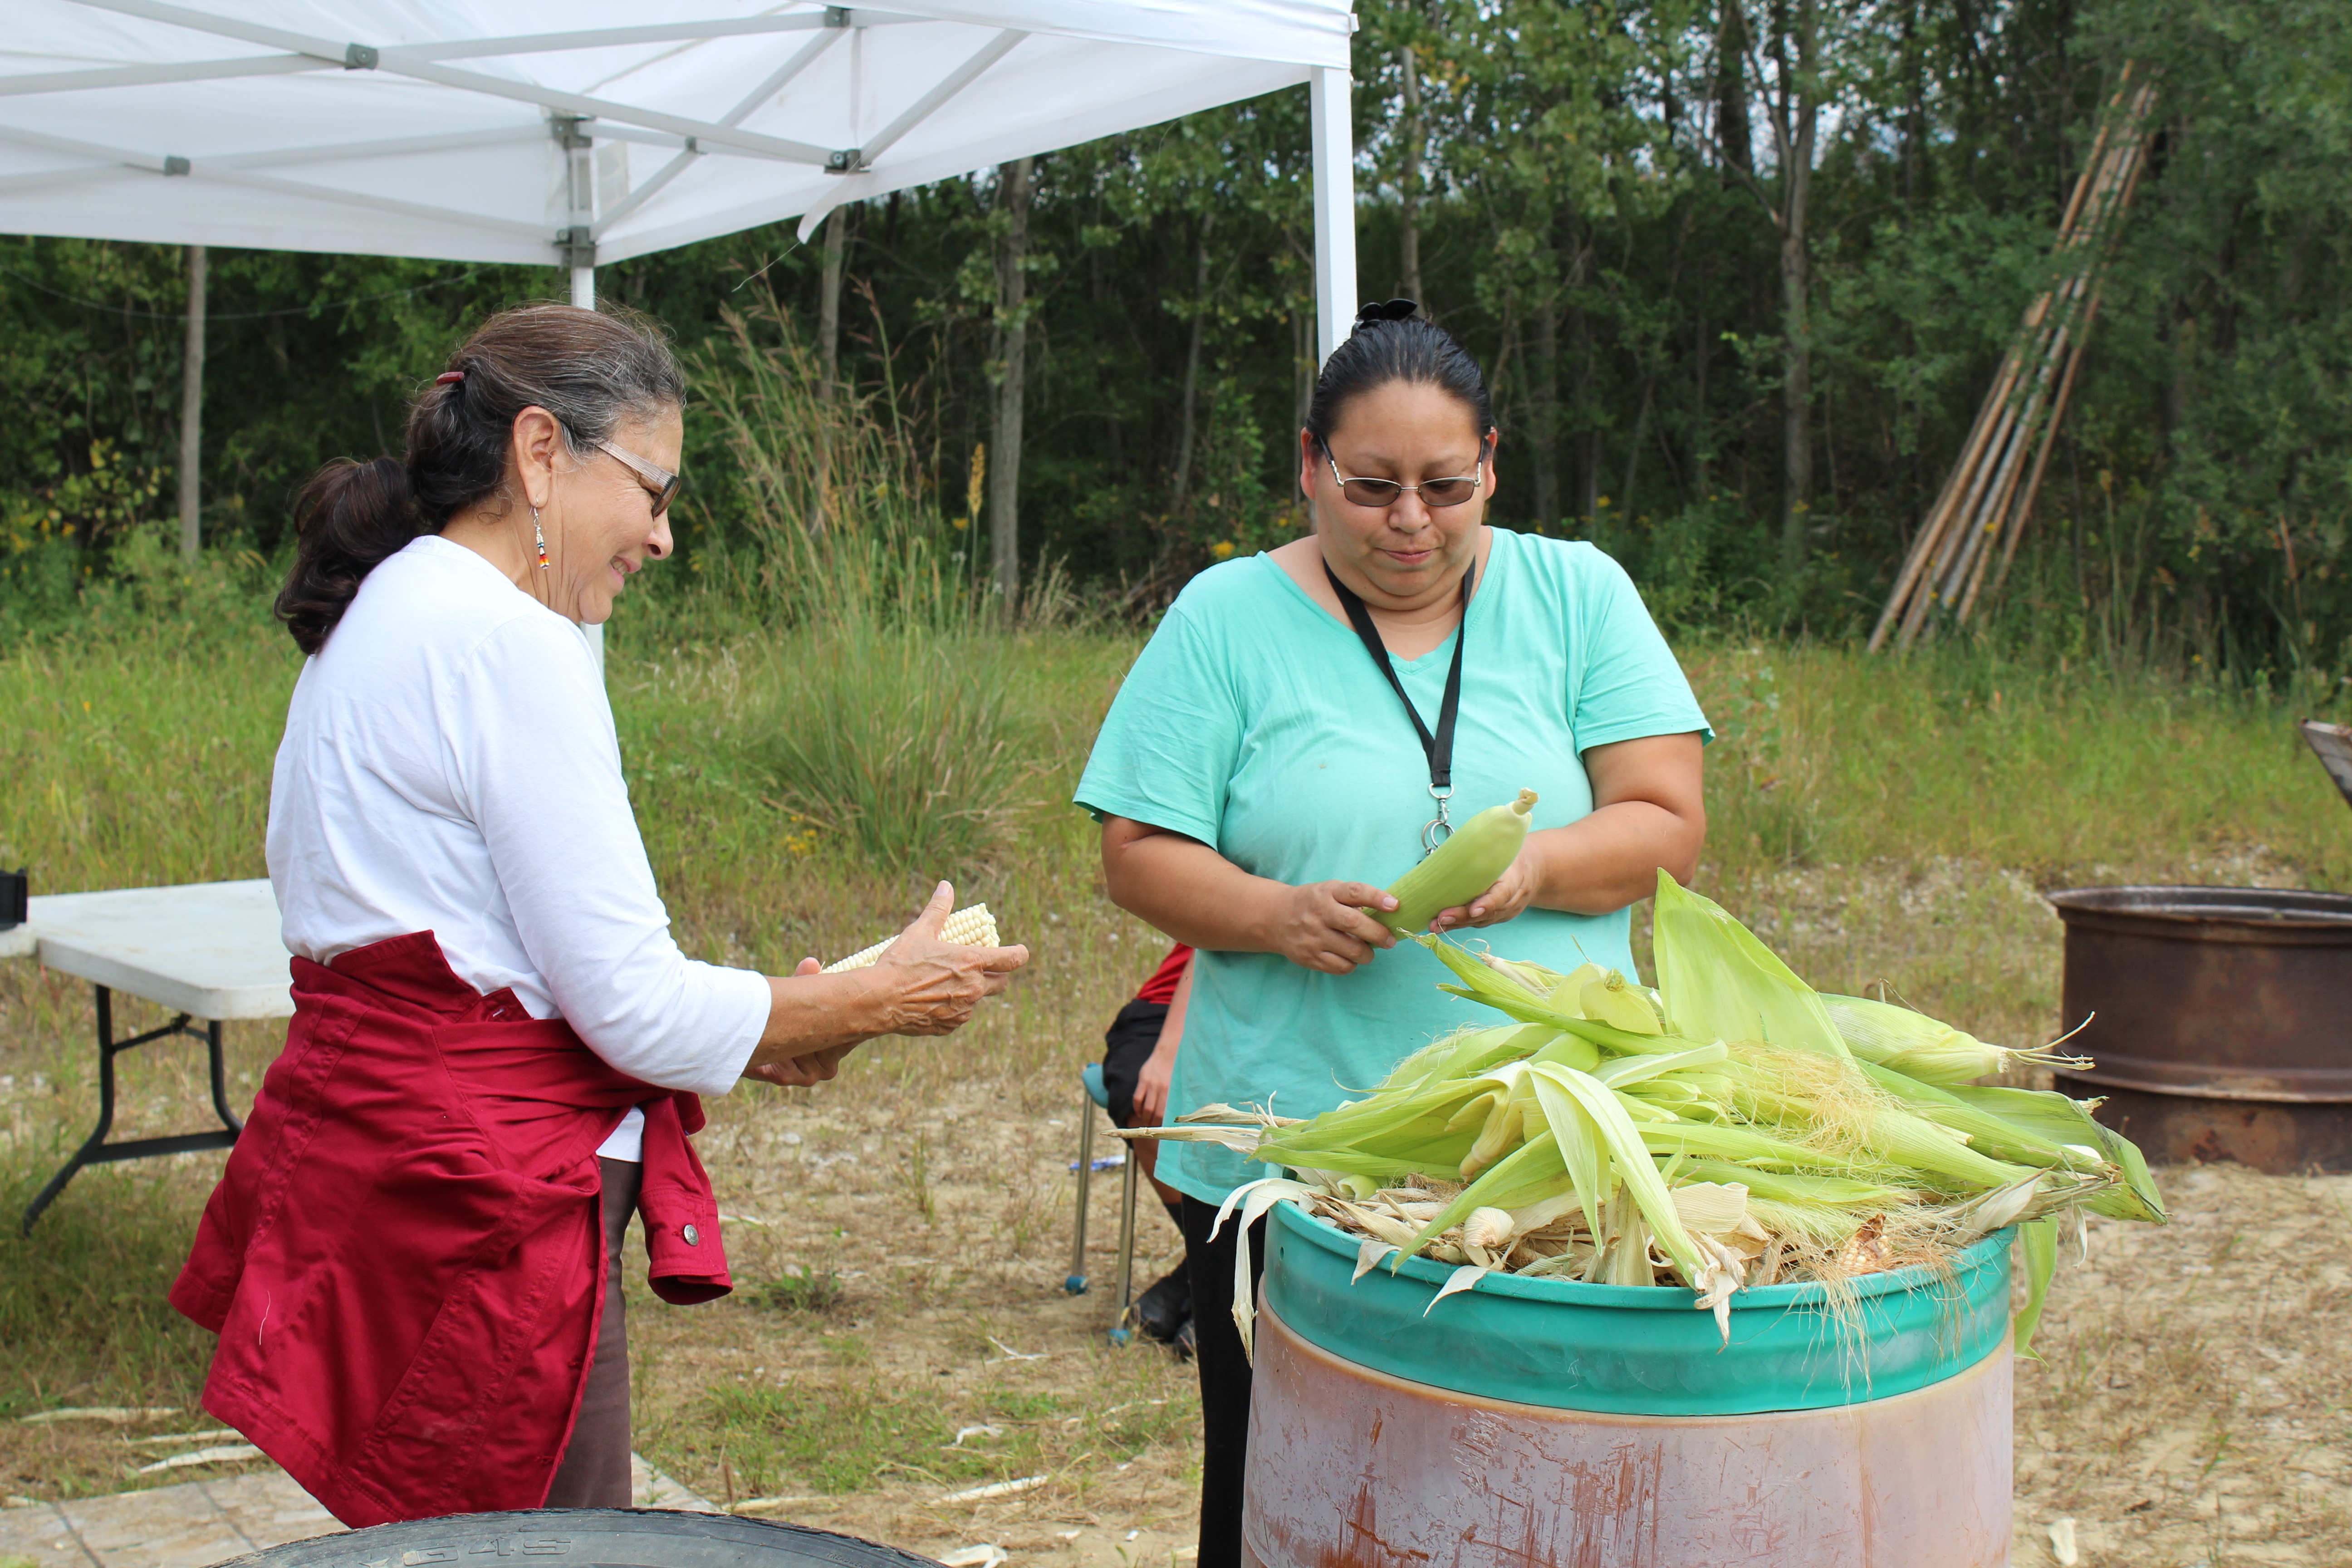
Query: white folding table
[{"x": 208, "y": 951}]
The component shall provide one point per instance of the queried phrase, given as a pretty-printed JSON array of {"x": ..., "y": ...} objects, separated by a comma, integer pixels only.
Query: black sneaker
[
  {"x": 1167, "y": 1306},
  {"x": 1183, "y": 1344}
]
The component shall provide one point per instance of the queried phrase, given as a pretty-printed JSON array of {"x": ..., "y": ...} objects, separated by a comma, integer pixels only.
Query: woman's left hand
[
  {"x": 1513, "y": 891},
  {"x": 802, "y": 1072}
]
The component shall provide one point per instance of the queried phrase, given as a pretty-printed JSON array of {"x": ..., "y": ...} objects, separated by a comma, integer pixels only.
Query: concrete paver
[{"x": 198, "y": 1523}]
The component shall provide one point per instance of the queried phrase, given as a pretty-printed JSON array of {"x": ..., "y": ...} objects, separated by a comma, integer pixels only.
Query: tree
[{"x": 1014, "y": 189}]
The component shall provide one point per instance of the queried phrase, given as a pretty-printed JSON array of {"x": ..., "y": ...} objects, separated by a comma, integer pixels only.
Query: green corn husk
[
  {"x": 1719, "y": 983},
  {"x": 1575, "y": 1101},
  {"x": 2069, "y": 1121},
  {"x": 2038, "y": 1241},
  {"x": 1747, "y": 1146},
  {"x": 1602, "y": 1035},
  {"x": 1609, "y": 1000},
  {"x": 1987, "y": 1132},
  {"x": 1926, "y": 1049},
  {"x": 1799, "y": 1188},
  {"x": 1467, "y": 1053},
  {"x": 1529, "y": 1174},
  {"x": 1574, "y": 1108}
]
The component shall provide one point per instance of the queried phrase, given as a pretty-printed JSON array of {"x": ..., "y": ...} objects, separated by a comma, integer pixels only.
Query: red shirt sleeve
[{"x": 1162, "y": 986}]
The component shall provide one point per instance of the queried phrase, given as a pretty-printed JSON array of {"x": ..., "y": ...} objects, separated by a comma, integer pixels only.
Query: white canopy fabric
[{"x": 573, "y": 133}]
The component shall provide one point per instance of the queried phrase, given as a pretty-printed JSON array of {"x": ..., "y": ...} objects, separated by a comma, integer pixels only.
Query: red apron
[{"x": 403, "y": 1259}]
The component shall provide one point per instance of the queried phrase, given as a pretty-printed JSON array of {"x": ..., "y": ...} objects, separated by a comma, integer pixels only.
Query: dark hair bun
[{"x": 1393, "y": 342}]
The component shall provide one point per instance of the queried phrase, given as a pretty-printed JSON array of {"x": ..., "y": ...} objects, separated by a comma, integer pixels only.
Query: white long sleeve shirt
[{"x": 450, "y": 766}]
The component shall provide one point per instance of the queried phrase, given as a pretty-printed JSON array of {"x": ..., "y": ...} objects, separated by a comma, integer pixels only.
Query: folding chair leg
[
  {"x": 1076, "y": 1284},
  {"x": 1126, "y": 1186}
]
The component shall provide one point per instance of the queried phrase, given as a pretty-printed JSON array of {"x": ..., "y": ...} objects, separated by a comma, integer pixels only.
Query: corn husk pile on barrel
[
  {"x": 1498, "y": 1240},
  {"x": 1730, "y": 1129}
]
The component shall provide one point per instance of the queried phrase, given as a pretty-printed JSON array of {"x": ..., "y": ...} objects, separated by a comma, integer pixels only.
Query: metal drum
[
  {"x": 2221, "y": 1029},
  {"x": 1544, "y": 1422}
]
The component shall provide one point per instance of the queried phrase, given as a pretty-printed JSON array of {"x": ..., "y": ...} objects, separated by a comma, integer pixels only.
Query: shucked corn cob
[{"x": 974, "y": 927}]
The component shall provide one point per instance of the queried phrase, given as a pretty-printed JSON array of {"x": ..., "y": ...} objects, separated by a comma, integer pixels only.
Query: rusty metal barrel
[
  {"x": 2221, "y": 1029},
  {"x": 1544, "y": 1421}
]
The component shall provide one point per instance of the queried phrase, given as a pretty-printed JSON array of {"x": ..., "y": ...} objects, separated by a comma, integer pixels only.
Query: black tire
[{"x": 587, "y": 1538}]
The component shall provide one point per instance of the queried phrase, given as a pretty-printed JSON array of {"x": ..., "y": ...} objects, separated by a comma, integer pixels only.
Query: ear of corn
[
  {"x": 971, "y": 926},
  {"x": 1722, "y": 1121},
  {"x": 2068, "y": 1121},
  {"x": 1921, "y": 1048},
  {"x": 1461, "y": 869}
]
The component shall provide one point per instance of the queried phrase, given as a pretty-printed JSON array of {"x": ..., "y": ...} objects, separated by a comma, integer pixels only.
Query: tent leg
[
  {"x": 584, "y": 295},
  {"x": 192, "y": 407},
  {"x": 1335, "y": 209}
]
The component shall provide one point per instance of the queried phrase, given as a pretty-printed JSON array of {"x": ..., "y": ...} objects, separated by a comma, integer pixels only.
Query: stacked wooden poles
[{"x": 1983, "y": 508}]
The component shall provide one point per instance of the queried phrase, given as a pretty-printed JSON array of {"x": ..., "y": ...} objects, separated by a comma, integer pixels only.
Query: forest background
[{"x": 1740, "y": 273}]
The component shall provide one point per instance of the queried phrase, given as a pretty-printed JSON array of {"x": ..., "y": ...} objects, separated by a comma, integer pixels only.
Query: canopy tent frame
[{"x": 82, "y": 129}]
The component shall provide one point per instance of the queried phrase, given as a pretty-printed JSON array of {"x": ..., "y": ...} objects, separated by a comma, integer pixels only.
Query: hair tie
[
  {"x": 449, "y": 378},
  {"x": 1394, "y": 310}
]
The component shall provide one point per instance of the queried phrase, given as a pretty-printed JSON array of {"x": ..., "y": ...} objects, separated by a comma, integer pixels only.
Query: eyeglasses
[
  {"x": 1442, "y": 492},
  {"x": 659, "y": 482}
]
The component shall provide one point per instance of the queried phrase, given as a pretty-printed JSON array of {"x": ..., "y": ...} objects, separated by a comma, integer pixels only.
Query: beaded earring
[{"x": 539, "y": 534}]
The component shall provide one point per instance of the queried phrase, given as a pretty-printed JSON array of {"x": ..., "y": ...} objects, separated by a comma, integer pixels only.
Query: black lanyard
[{"x": 1438, "y": 748}]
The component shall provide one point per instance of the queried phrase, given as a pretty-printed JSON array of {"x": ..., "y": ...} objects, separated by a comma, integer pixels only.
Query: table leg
[
  {"x": 94, "y": 1149},
  {"x": 220, "y": 1080}
]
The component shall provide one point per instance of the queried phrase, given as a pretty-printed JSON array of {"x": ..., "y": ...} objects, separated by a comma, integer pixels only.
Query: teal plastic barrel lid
[{"x": 1632, "y": 1349}]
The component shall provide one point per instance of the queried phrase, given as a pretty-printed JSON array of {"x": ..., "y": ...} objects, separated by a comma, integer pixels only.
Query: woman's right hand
[
  {"x": 1322, "y": 926},
  {"x": 923, "y": 985}
]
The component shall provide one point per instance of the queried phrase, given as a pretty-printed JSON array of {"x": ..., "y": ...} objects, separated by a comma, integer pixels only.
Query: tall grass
[
  {"x": 2057, "y": 771},
  {"x": 890, "y": 715},
  {"x": 901, "y": 737},
  {"x": 131, "y": 758},
  {"x": 836, "y": 506}
]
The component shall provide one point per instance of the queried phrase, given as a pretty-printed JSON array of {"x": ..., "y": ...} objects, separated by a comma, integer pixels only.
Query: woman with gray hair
[{"x": 413, "y": 1259}]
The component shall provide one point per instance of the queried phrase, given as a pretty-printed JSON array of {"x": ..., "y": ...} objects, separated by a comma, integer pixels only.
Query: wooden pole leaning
[{"x": 1985, "y": 502}]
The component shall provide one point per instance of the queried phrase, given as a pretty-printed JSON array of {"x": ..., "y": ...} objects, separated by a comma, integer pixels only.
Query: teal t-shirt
[{"x": 1255, "y": 721}]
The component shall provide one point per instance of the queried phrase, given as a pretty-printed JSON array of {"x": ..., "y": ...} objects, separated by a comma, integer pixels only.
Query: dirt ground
[
  {"x": 2191, "y": 1408},
  {"x": 901, "y": 1337}
]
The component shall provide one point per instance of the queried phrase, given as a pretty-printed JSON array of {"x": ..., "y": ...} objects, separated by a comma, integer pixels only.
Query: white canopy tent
[{"x": 579, "y": 132}]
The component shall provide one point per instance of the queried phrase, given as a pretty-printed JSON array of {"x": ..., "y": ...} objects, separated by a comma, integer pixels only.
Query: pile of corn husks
[{"x": 1732, "y": 1128}]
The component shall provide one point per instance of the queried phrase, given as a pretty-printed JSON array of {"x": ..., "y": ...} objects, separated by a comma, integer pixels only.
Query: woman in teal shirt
[{"x": 1297, "y": 725}]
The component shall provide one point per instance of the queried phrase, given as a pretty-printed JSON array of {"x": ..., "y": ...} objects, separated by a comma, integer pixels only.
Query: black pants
[
  {"x": 1128, "y": 1043},
  {"x": 1225, "y": 1377},
  {"x": 595, "y": 1468}
]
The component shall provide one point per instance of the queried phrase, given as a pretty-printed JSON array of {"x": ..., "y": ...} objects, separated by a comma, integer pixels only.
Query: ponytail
[
  {"x": 589, "y": 369},
  {"x": 351, "y": 516}
]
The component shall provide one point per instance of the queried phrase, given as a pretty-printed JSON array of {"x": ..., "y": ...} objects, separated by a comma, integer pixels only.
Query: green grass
[
  {"x": 1874, "y": 819},
  {"x": 1830, "y": 757}
]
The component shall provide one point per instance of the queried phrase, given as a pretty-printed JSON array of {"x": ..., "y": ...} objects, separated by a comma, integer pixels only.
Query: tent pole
[
  {"x": 1335, "y": 208},
  {"x": 192, "y": 405},
  {"x": 584, "y": 295}
]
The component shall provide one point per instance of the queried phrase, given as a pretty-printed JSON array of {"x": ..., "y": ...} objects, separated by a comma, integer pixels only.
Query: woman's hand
[
  {"x": 1513, "y": 891},
  {"x": 923, "y": 985},
  {"x": 1150, "y": 1097},
  {"x": 802, "y": 1072},
  {"x": 1322, "y": 926}
]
